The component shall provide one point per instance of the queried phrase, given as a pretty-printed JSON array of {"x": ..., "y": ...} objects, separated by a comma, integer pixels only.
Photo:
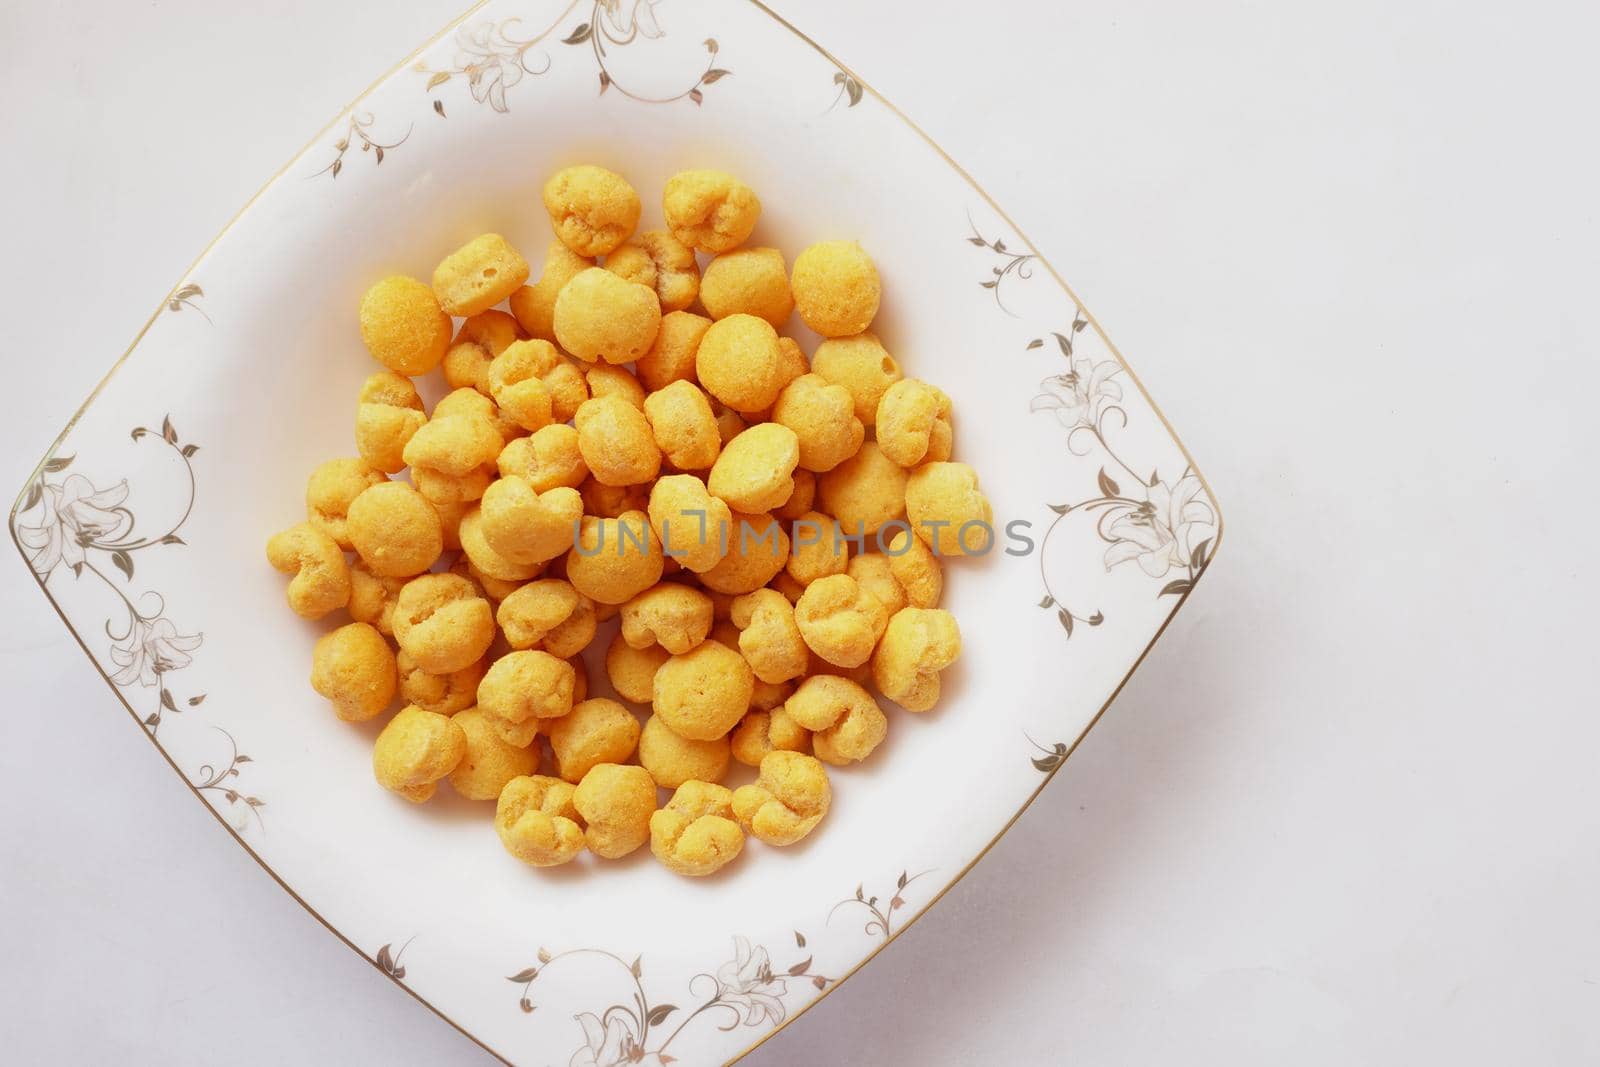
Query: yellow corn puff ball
[
  {"x": 615, "y": 560},
  {"x": 865, "y": 491},
  {"x": 659, "y": 261},
  {"x": 917, "y": 570},
  {"x": 836, "y": 288},
  {"x": 755, "y": 471},
  {"x": 403, "y": 326},
  {"x": 548, "y": 458},
  {"x": 415, "y": 750},
  {"x": 486, "y": 564},
  {"x": 632, "y": 671},
  {"x": 606, "y": 380},
  {"x": 489, "y": 764},
  {"x": 873, "y": 572},
  {"x": 600, "y": 316},
  {"x": 840, "y": 621},
  {"x": 817, "y": 549},
  {"x": 758, "y": 548},
  {"x": 672, "y": 355},
  {"x": 526, "y": 526},
  {"x": 750, "y": 281},
  {"x": 516, "y": 382},
  {"x": 537, "y": 822},
  {"x": 918, "y": 644},
  {"x": 478, "y": 275},
  {"x": 730, "y": 423},
  {"x": 616, "y": 802},
  {"x": 739, "y": 362},
  {"x": 494, "y": 589},
  {"x": 668, "y": 614},
  {"x": 612, "y": 501},
  {"x": 472, "y": 404},
  {"x": 846, "y": 724},
  {"x": 863, "y": 366},
  {"x": 769, "y": 639},
  {"x": 454, "y": 445},
  {"x": 692, "y": 525},
  {"x": 493, "y": 331},
  {"x": 330, "y": 490},
  {"x": 792, "y": 363},
  {"x": 673, "y": 760},
  {"x": 535, "y": 305},
  {"x": 395, "y": 530},
  {"x": 321, "y": 581},
  {"x": 703, "y": 693},
  {"x": 913, "y": 423},
  {"x": 442, "y": 622},
  {"x": 593, "y": 210},
  {"x": 466, "y": 366},
  {"x": 822, "y": 416},
  {"x": 450, "y": 490},
  {"x": 801, "y": 499},
  {"x": 353, "y": 667},
  {"x": 768, "y": 695},
  {"x": 783, "y": 582},
  {"x": 388, "y": 412},
  {"x": 761, "y": 732},
  {"x": 683, "y": 426},
  {"x": 695, "y": 834},
  {"x": 521, "y": 689},
  {"x": 947, "y": 509},
  {"x": 709, "y": 211},
  {"x": 372, "y": 598},
  {"x": 595, "y": 731},
  {"x": 548, "y": 615},
  {"x": 443, "y": 693},
  {"x": 615, "y": 440},
  {"x": 787, "y": 799},
  {"x": 569, "y": 388}
]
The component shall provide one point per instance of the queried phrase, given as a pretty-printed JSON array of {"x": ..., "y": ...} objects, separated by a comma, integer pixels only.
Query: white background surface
[{"x": 1347, "y": 810}]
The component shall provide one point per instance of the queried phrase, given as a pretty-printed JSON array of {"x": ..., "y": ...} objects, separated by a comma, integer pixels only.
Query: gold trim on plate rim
[{"x": 1049, "y": 776}]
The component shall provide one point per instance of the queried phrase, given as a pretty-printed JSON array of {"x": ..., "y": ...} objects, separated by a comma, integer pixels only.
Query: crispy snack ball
[
  {"x": 874, "y": 572},
  {"x": 947, "y": 509},
  {"x": 537, "y": 822},
  {"x": 761, "y": 732},
  {"x": 730, "y": 423},
  {"x": 607, "y": 380},
  {"x": 455, "y": 445},
  {"x": 758, "y": 547},
  {"x": 548, "y": 615},
  {"x": 739, "y": 362},
  {"x": 614, "y": 560},
  {"x": 321, "y": 581},
  {"x": 487, "y": 564},
  {"x": 443, "y": 622},
  {"x": 769, "y": 639},
  {"x": 751, "y": 281},
  {"x": 673, "y": 760},
  {"x": 491, "y": 330},
  {"x": 526, "y": 526},
  {"x": 521, "y": 689},
  {"x": 695, "y": 834},
  {"x": 516, "y": 381},
  {"x": 865, "y": 491},
  {"x": 786, "y": 801},
  {"x": 784, "y": 583},
  {"x": 689, "y": 521},
  {"x": 443, "y": 693},
  {"x": 670, "y": 614},
  {"x": 659, "y": 261},
  {"x": 616, "y": 802},
  {"x": 822, "y": 415},
  {"x": 496, "y": 589},
  {"x": 768, "y": 695},
  {"x": 800, "y": 501},
  {"x": 918, "y": 644},
  {"x": 596, "y": 731},
  {"x": 592, "y": 209},
  {"x": 600, "y": 316},
  {"x": 403, "y": 326},
  {"x": 703, "y": 693},
  {"x": 475, "y": 405},
  {"x": 490, "y": 763},
  {"x": 615, "y": 440},
  {"x": 466, "y": 366},
  {"x": 633, "y": 670},
  {"x": 534, "y": 305},
  {"x": 415, "y": 750},
  {"x": 863, "y": 366},
  {"x": 683, "y": 426},
  {"x": 353, "y": 667},
  {"x": 755, "y": 471},
  {"x": 917, "y": 570},
  {"x": 846, "y": 724},
  {"x": 388, "y": 412},
  {"x": 545, "y": 460},
  {"x": 815, "y": 551},
  {"x": 395, "y": 530},
  {"x": 913, "y": 423},
  {"x": 709, "y": 211},
  {"x": 330, "y": 490},
  {"x": 372, "y": 598},
  {"x": 478, "y": 275},
  {"x": 672, "y": 356},
  {"x": 840, "y": 621},
  {"x": 836, "y": 288}
]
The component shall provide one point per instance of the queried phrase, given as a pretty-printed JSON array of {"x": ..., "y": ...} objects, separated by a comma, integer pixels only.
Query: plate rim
[{"x": 313, "y": 141}]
